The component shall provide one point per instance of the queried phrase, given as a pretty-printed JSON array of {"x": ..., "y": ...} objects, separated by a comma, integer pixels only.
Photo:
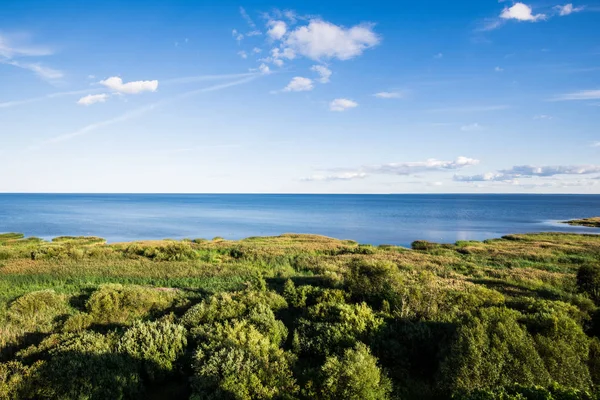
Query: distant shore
[{"x": 593, "y": 222}]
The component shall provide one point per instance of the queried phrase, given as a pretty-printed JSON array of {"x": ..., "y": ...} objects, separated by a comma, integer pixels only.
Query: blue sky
[{"x": 317, "y": 97}]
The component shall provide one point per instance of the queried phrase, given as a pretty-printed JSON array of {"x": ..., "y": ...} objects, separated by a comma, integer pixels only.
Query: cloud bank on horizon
[{"x": 304, "y": 93}]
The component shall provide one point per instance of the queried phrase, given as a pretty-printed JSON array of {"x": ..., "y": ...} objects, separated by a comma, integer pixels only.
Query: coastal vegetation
[
  {"x": 300, "y": 317},
  {"x": 593, "y": 222}
]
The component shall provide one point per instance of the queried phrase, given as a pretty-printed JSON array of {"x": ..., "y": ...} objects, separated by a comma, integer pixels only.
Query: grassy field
[
  {"x": 593, "y": 222},
  {"x": 298, "y": 317}
]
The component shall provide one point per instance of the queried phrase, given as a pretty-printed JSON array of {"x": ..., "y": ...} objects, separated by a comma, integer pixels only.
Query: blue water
[{"x": 375, "y": 219}]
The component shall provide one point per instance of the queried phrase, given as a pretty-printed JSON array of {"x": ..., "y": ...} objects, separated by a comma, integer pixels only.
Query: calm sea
[{"x": 375, "y": 219}]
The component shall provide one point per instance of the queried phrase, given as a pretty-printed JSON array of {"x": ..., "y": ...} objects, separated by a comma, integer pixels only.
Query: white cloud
[
  {"x": 92, "y": 98},
  {"x": 116, "y": 84},
  {"x": 264, "y": 69},
  {"x": 530, "y": 171},
  {"x": 342, "y": 104},
  {"x": 299, "y": 84},
  {"x": 256, "y": 50},
  {"x": 596, "y": 144},
  {"x": 498, "y": 69},
  {"x": 487, "y": 177},
  {"x": 321, "y": 39},
  {"x": 471, "y": 127},
  {"x": 581, "y": 95},
  {"x": 242, "y": 54},
  {"x": 346, "y": 176},
  {"x": 408, "y": 168},
  {"x": 324, "y": 72},
  {"x": 253, "y": 33},
  {"x": 521, "y": 12},
  {"x": 277, "y": 29},
  {"x": 542, "y": 116},
  {"x": 567, "y": 9},
  {"x": 388, "y": 95}
]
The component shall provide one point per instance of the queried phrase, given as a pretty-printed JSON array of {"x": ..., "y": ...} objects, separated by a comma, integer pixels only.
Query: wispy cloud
[
  {"x": 247, "y": 17},
  {"x": 529, "y": 171},
  {"x": 567, "y": 9},
  {"x": 398, "y": 169},
  {"x": 389, "y": 95},
  {"x": 580, "y": 95},
  {"x": 471, "y": 127},
  {"x": 323, "y": 71},
  {"x": 469, "y": 109},
  {"x": 14, "y": 48},
  {"x": 346, "y": 176},
  {"x": 140, "y": 111},
  {"x": 46, "y": 97}
]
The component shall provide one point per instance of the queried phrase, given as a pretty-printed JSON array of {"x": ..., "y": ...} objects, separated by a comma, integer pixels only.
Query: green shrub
[
  {"x": 588, "y": 281},
  {"x": 37, "y": 311},
  {"x": 157, "y": 345},
  {"x": 119, "y": 304},
  {"x": 82, "y": 366},
  {"x": 373, "y": 282},
  {"x": 227, "y": 306},
  {"x": 78, "y": 322},
  {"x": 235, "y": 361},
  {"x": 564, "y": 348},
  {"x": 354, "y": 376},
  {"x": 493, "y": 350},
  {"x": 331, "y": 328}
]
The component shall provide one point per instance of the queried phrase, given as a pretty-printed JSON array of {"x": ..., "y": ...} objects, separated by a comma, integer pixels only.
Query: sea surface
[{"x": 374, "y": 219}]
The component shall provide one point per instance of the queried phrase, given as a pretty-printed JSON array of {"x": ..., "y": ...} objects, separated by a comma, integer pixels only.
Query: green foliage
[
  {"x": 493, "y": 350},
  {"x": 500, "y": 319},
  {"x": 157, "y": 345},
  {"x": 37, "y": 311},
  {"x": 354, "y": 376},
  {"x": 373, "y": 282},
  {"x": 81, "y": 366},
  {"x": 235, "y": 361},
  {"x": 226, "y": 306},
  {"x": 119, "y": 304},
  {"x": 588, "y": 281},
  {"x": 332, "y": 327},
  {"x": 519, "y": 392}
]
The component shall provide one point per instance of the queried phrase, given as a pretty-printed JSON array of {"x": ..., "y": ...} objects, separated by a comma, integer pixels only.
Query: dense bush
[
  {"x": 235, "y": 361},
  {"x": 354, "y": 376},
  {"x": 37, "y": 311},
  {"x": 329, "y": 328},
  {"x": 493, "y": 350},
  {"x": 119, "y": 304},
  {"x": 373, "y": 282},
  {"x": 157, "y": 345},
  {"x": 81, "y": 366},
  {"x": 588, "y": 281}
]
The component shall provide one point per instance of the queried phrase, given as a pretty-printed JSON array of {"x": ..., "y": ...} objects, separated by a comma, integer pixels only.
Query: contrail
[
  {"x": 173, "y": 81},
  {"x": 142, "y": 110}
]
